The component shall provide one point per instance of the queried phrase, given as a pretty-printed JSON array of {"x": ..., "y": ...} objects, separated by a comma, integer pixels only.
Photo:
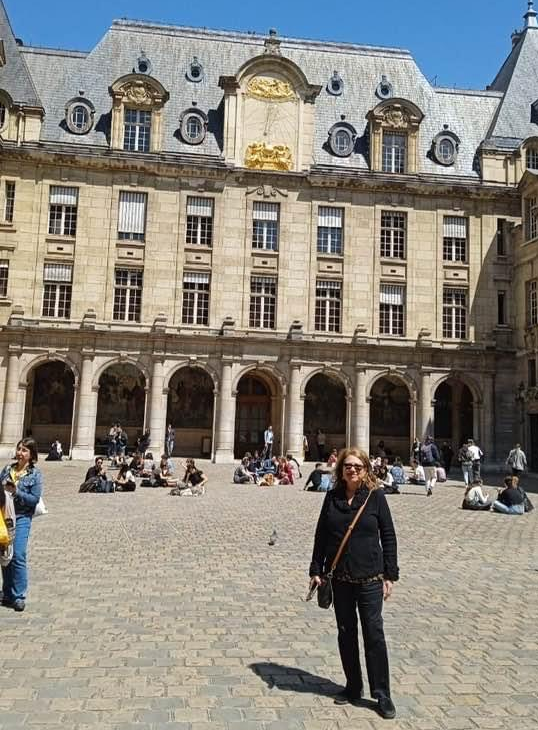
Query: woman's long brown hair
[{"x": 369, "y": 480}]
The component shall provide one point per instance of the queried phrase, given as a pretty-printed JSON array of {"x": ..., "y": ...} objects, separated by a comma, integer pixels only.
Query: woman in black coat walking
[{"x": 364, "y": 575}]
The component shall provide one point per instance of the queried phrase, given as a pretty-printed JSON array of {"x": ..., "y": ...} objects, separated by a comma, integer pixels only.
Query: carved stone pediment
[{"x": 139, "y": 91}]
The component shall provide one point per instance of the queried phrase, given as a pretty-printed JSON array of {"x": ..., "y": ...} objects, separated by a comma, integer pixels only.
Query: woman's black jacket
[{"x": 371, "y": 549}]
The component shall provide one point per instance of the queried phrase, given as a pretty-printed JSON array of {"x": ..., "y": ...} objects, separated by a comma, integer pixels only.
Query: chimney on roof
[
  {"x": 530, "y": 16},
  {"x": 516, "y": 37}
]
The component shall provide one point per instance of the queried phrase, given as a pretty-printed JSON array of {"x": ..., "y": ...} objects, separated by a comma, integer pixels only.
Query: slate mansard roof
[
  {"x": 59, "y": 76},
  {"x": 14, "y": 76}
]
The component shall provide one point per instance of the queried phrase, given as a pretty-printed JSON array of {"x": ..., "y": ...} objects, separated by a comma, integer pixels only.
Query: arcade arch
[
  {"x": 390, "y": 416},
  {"x": 258, "y": 405},
  {"x": 325, "y": 408},
  {"x": 121, "y": 399},
  {"x": 454, "y": 412},
  {"x": 190, "y": 410}
]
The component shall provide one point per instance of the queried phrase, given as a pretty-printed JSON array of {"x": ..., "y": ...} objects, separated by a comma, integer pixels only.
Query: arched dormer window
[
  {"x": 137, "y": 103},
  {"x": 5, "y": 107},
  {"x": 529, "y": 151},
  {"x": 394, "y": 130},
  {"x": 79, "y": 115}
]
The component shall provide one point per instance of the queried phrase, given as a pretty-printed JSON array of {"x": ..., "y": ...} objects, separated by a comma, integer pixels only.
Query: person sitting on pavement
[
  {"x": 316, "y": 479},
  {"x": 268, "y": 480},
  {"x": 333, "y": 457},
  {"x": 163, "y": 474},
  {"x": 148, "y": 466},
  {"x": 509, "y": 500},
  {"x": 136, "y": 464},
  {"x": 294, "y": 466},
  {"x": 475, "y": 498},
  {"x": 55, "y": 451},
  {"x": 417, "y": 474},
  {"x": 242, "y": 475},
  {"x": 194, "y": 482},
  {"x": 441, "y": 472},
  {"x": 387, "y": 480},
  {"x": 284, "y": 473},
  {"x": 397, "y": 472},
  {"x": 124, "y": 481}
]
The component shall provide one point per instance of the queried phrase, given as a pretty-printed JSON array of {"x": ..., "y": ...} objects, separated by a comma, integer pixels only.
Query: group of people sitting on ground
[
  {"x": 511, "y": 498},
  {"x": 254, "y": 469},
  {"x": 151, "y": 474}
]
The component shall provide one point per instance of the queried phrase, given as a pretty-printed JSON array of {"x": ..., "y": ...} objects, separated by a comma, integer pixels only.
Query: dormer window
[
  {"x": 137, "y": 130},
  {"x": 137, "y": 113},
  {"x": 394, "y": 136},
  {"x": 79, "y": 115},
  {"x": 335, "y": 87},
  {"x": 532, "y": 158},
  {"x": 384, "y": 89},
  {"x": 143, "y": 64},
  {"x": 195, "y": 71},
  {"x": 193, "y": 126},
  {"x": 445, "y": 147},
  {"x": 3, "y": 116},
  {"x": 342, "y": 138}
]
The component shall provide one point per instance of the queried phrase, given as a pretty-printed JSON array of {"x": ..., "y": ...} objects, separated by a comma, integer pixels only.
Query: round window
[
  {"x": 3, "y": 115},
  {"x": 445, "y": 148},
  {"x": 342, "y": 140},
  {"x": 80, "y": 117},
  {"x": 195, "y": 71},
  {"x": 193, "y": 126}
]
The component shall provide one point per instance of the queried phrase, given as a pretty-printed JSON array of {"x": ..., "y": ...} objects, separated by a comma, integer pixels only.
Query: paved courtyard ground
[{"x": 148, "y": 611}]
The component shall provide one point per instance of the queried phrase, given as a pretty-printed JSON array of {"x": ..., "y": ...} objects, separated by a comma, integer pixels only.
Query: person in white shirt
[
  {"x": 268, "y": 438},
  {"x": 475, "y": 498},
  {"x": 417, "y": 475},
  {"x": 477, "y": 454}
]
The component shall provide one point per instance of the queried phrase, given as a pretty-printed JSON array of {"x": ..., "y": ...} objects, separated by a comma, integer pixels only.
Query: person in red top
[{"x": 284, "y": 473}]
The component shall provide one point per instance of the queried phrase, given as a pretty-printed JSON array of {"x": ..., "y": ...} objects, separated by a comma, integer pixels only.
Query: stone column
[
  {"x": 349, "y": 408},
  {"x": 488, "y": 420},
  {"x": 295, "y": 414},
  {"x": 86, "y": 413},
  {"x": 224, "y": 451},
  {"x": 412, "y": 422},
  {"x": 426, "y": 408},
  {"x": 157, "y": 408},
  {"x": 12, "y": 425},
  {"x": 360, "y": 414}
]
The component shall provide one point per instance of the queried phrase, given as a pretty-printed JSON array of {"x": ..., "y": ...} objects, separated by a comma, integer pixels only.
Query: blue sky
[{"x": 459, "y": 43}]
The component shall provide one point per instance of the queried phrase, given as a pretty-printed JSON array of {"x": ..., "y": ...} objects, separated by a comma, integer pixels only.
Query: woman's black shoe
[
  {"x": 386, "y": 708},
  {"x": 344, "y": 698}
]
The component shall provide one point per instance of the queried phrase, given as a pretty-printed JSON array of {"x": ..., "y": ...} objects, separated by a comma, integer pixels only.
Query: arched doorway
[
  {"x": 122, "y": 399},
  {"x": 256, "y": 408},
  {"x": 325, "y": 409},
  {"x": 390, "y": 417},
  {"x": 453, "y": 413},
  {"x": 49, "y": 404},
  {"x": 190, "y": 411}
]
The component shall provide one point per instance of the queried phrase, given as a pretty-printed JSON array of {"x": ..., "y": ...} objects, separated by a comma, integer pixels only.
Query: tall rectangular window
[
  {"x": 262, "y": 302},
  {"x": 532, "y": 158},
  {"x": 532, "y": 303},
  {"x": 4, "y": 276},
  {"x": 501, "y": 238},
  {"x": 455, "y": 238},
  {"x": 63, "y": 211},
  {"x": 9, "y": 201},
  {"x": 328, "y": 311},
  {"x": 392, "y": 310},
  {"x": 393, "y": 234},
  {"x": 195, "y": 298},
  {"x": 265, "y": 226},
  {"x": 136, "y": 130},
  {"x": 132, "y": 215},
  {"x": 57, "y": 290},
  {"x": 200, "y": 221},
  {"x": 127, "y": 295},
  {"x": 531, "y": 218},
  {"x": 330, "y": 225},
  {"x": 394, "y": 153},
  {"x": 454, "y": 314},
  {"x": 501, "y": 307},
  {"x": 531, "y": 372}
]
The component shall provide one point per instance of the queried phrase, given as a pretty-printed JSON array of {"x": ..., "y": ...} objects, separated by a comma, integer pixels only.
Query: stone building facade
[{"x": 223, "y": 230}]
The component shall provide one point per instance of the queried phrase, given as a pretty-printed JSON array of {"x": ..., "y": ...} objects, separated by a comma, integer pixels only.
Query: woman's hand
[
  {"x": 387, "y": 589},
  {"x": 315, "y": 581},
  {"x": 10, "y": 487}
]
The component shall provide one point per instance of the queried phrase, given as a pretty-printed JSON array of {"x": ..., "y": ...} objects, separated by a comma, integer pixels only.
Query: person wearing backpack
[
  {"x": 465, "y": 458},
  {"x": 429, "y": 457}
]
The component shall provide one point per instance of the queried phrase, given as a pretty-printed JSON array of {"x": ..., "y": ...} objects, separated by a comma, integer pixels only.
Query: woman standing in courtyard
[
  {"x": 23, "y": 480},
  {"x": 363, "y": 577}
]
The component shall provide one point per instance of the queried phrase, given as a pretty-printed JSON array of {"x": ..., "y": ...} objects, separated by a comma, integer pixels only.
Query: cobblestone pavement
[{"x": 148, "y": 611}]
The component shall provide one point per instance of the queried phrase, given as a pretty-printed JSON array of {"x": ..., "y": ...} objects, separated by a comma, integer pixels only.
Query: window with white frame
[
  {"x": 195, "y": 298},
  {"x": 57, "y": 290},
  {"x": 199, "y": 221},
  {"x": 454, "y": 313},
  {"x": 132, "y": 215},
  {"x": 455, "y": 234},
  {"x": 392, "y": 310},
  {"x": 393, "y": 234},
  {"x": 330, "y": 226},
  {"x": 263, "y": 302},
  {"x": 136, "y": 130},
  {"x": 265, "y": 226},
  {"x": 9, "y": 201},
  {"x": 4, "y": 276},
  {"x": 531, "y": 218},
  {"x": 127, "y": 295},
  {"x": 394, "y": 152},
  {"x": 328, "y": 310},
  {"x": 63, "y": 211},
  {"x": 532, "y": 303},
  {"x": 532, "y": 158}
]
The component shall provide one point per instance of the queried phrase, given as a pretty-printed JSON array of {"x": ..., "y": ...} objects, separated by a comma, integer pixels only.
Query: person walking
[
  {"x": 477, "y": 455},
  {"x": 429, "y": 457},
  {"x": 23, "y": 480},
  {"x": 363, "y": 577},
  {"x": 320, "y": 442},
  {"x": 447, "y": 453},
  {"x": 465, "y": 459},
  {"x": 170, "y": 440},
  {"x": 517, "y": 461},
  {"x": 268, "y": 440}
]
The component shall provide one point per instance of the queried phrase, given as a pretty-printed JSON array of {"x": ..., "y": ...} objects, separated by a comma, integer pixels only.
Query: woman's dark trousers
[{"x": 368, "y": 599}]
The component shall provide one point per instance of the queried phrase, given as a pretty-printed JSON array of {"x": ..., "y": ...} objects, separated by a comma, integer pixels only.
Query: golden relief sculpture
[
  {"x": 263, "y": 87},
  {"x": 260, "y": 156}
]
